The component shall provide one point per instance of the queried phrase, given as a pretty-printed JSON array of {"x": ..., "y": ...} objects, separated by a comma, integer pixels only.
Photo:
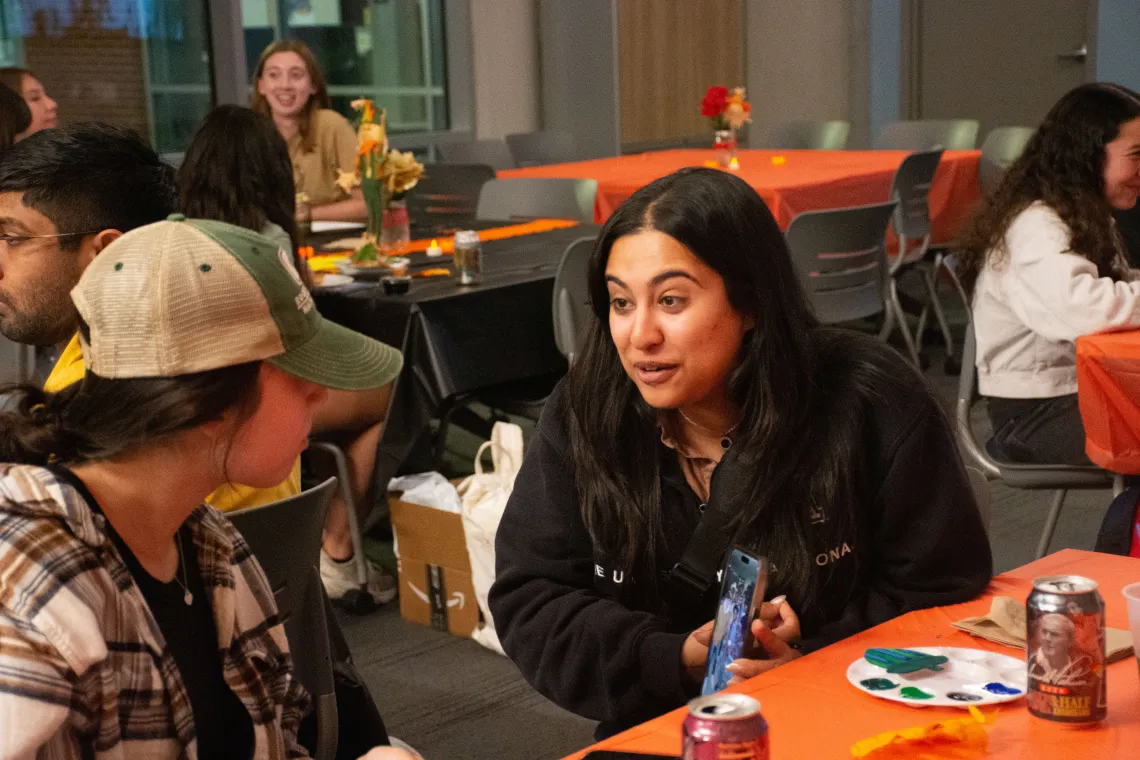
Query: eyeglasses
[{"x": 14, "y": 240}]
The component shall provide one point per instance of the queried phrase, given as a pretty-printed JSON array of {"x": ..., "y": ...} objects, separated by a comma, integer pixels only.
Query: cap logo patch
[{"x": 304, "y": 299}]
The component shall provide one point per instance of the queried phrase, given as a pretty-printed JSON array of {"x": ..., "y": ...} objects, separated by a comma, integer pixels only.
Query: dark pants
[{"x": 1037, "y": 430}]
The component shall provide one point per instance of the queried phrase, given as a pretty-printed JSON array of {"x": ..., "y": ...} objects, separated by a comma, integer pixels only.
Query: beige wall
[
  {"x": 807, "y": 60},
  {"x": 504, "y": 42}
]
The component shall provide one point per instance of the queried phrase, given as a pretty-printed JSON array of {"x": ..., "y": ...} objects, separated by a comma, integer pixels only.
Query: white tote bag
[{"x": 483, "y": 497}]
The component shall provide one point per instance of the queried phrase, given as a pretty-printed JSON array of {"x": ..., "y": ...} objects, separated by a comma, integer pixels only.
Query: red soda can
[{"x": 725, "y": 727}]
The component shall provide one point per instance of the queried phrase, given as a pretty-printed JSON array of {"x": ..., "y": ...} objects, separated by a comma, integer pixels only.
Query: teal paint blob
[
  {"x": 1001, "y": 689},
  {"x": 911, "y": 692},
  {"x": 878, "y": 684}
]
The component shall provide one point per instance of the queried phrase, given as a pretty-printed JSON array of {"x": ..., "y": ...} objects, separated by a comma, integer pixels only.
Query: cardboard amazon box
[{"x": 435, "y": 573}]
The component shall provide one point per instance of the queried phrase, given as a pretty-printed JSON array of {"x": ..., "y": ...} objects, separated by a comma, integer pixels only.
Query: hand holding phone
[{"x": 743, "y": 583}]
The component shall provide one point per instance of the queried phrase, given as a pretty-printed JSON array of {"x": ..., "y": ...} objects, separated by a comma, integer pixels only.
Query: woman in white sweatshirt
[{"x": 1045, "y": 264}]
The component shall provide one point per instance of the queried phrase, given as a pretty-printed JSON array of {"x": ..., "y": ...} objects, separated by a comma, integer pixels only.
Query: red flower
[{"x": 715, "y": 101}]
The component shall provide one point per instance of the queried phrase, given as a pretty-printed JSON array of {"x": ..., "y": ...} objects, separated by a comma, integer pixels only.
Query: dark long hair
[
  {"x": 237, "y": 170},
  {"x": 15, "y": 116},
  {"x": 798, "y": 435},
  {"x": 1062, "y": 166},
  {"x": 320, "y": 99},
  {"x": 99, "y": 418}
]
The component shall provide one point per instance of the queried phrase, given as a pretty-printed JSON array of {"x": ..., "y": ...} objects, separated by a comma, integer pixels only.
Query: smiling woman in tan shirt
[{"x": 289, "y": 87}]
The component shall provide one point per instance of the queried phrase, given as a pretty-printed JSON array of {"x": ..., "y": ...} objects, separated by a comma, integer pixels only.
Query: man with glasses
[{"x": 65, "y": 194}]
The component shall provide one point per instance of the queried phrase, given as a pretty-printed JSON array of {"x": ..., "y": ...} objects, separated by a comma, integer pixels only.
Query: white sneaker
[{"x": 339, "y": 578}]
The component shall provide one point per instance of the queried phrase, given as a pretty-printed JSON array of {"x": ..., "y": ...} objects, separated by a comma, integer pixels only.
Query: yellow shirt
[
  {"x": 229, "y": 497},
  {"x": 334, "y": 150}
]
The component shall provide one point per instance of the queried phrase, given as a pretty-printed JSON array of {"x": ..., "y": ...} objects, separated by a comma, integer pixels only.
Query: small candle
[{"x": 434, "y": 249}]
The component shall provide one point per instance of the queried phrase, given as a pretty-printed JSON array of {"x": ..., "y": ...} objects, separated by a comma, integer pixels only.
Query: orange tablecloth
[
  {"x": 326, "y": 262},
  {"x": 808, "y": 180},
  {"x": 1108, "y": 385},
  {"x": 813, "y": 712}
]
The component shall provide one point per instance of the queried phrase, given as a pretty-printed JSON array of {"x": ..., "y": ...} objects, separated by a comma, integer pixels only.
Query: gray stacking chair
[
  {"x": 911, "y": 222},
  {"x": 571, "y": 312},
  {"x": 542, "y": 148},
  {"x": 538, "y": 197},
  {"x": 841, "y": 259},
  {"x": 949, "y": 134},
  {"x": 285, "y": 537},
  {"x": 1002, "y": 146},
  {"x": 809, "y": 135},
  {"x": 1060, "y": 478},
  {"x": 571, "y": 306},
  {"x": 448, "y": 193},
  {"x": 492, "y": 153}
]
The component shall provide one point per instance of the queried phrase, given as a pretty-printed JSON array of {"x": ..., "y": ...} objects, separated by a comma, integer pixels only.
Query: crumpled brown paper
[{"x": 1005, "y": 624}]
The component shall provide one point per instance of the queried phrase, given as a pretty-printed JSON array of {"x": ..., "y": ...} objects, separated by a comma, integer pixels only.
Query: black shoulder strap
[{"x": 691, "y": 578}]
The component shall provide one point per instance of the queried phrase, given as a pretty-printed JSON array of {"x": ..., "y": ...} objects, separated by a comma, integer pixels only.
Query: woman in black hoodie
[{"x": 706, "y": 388}]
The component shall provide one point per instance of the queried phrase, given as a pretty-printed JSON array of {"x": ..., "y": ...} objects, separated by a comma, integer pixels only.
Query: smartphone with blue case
[{"x": 744, "y": 580}]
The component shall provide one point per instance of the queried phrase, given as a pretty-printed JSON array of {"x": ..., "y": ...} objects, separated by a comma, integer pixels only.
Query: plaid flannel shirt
[{"x": 84, "y": 669}]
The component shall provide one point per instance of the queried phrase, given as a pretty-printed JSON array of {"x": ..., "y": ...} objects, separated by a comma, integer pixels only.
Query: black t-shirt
[{"x": 224, "y": 726}]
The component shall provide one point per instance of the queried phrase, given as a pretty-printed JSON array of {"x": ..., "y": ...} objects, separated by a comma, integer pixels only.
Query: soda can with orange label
[{"x": 1065, "y": 650}]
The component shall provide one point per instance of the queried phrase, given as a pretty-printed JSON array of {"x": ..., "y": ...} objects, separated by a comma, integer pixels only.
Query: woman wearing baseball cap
[{"x": 133, "y": 618}]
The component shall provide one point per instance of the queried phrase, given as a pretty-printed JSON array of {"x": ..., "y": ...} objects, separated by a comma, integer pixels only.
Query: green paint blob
[
  {"x": 912, "y": 693},
  {"x": 878, "y": 684}
]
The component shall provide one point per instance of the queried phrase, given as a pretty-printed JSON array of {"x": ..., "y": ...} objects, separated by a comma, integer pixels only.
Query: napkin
[{"x": 1006, "y": 625}]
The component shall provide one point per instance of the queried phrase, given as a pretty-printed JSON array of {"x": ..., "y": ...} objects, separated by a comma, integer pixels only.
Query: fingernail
[
  {"x": 732, "y": 667},
  {"x": 778, "y": 600}
]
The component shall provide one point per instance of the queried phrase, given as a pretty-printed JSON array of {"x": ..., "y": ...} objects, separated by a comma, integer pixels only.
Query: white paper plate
[
  {"x": 334, "y": 280},
  {"x": 971, "y": 677},
  {"x": 336, "y": 226}
]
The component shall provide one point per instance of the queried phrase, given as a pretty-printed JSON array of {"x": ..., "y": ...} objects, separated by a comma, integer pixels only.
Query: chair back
[
  {"x": 492, "y": 153},
  {"x": 542, "y": 148},
  {"x": 1002, "y": 146},
  {"x": 841, "y": 259},
  {"x": 571, "y": 303},
  {"x": 448, "y": 192},
  {"x": 810, "y": 135},
  {"x": 538, "y": 197},
  {"x": 285, "y": 537},
  {"x": 911, "y": 190},
  {"x": 974, "y": 453},
  {"x": 948, "y": 134}
]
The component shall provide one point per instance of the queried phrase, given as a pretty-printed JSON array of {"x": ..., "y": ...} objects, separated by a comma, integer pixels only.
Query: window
[
  {"x": 391, "y": 51},
  {"x": 144, "y": 64}
]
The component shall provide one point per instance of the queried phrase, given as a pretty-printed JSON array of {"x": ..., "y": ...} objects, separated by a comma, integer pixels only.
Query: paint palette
[{"x": 969, "y": 677}]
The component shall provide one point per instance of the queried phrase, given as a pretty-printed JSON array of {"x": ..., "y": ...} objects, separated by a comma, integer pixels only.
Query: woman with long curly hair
[{"x": 1045, "y": 264}]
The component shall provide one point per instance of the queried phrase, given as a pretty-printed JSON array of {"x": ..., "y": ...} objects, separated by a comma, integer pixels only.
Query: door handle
[{"x": 1078, "y": 55}]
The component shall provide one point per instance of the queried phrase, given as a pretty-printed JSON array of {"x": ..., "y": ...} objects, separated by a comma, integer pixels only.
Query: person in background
[
  {"x": 134, "y": 620},
  {"x": 42, "y": 107},
  {"x": 237, "y": 170},
  {"x": 65, "y": 194},
  {"x": 1045, "y": 264},
  {"x": 706, "y": 386},
  {"x": 15, "y": 117},
  {"x": 289, "y": 87}
]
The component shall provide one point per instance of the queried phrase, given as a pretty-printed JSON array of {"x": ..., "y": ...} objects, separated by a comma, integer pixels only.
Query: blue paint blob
[
  {"x": 961, "y": 696},
  {"x": 1001, "y": 689}
]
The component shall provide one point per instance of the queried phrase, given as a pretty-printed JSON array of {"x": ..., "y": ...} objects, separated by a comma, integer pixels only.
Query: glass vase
[
  {"x": 373, "y": 191},
  {"x": 724, "y": 145},
  {"x": 396, "y": 228}
]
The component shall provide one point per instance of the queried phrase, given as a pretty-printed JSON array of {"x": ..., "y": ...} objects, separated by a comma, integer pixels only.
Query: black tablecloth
[{"x": 458, "y": 339}]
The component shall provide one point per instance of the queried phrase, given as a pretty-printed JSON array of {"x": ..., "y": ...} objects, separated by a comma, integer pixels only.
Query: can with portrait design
[
  {"x": 1065, "y": 650},
  {"x": 725, "y": 727}
]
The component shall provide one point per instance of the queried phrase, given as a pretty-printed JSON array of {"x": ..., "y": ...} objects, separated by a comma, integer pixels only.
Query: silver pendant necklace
[{"x": 187, "y": 597}]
